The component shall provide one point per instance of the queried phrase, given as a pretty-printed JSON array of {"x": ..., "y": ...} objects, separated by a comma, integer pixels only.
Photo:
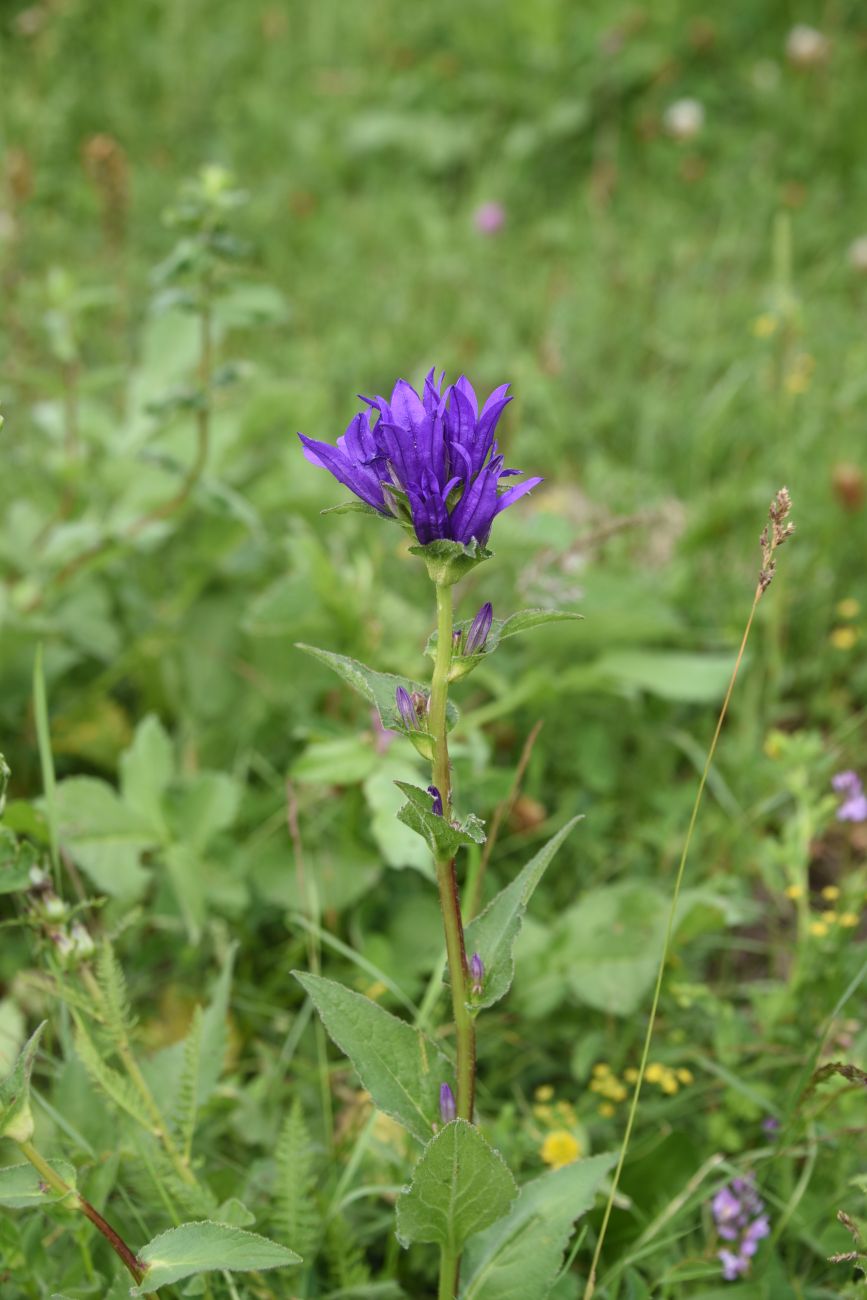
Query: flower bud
[
  {"x": 437, "y": 800},
  {"x": 479, "y": 629},
  {"x": 448, "y": 1105},
  {"x": 406, "y": 708},
  {"x": 477, "y": 975}
]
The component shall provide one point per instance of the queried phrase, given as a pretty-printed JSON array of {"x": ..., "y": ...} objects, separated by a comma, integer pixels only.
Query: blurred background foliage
[{"x": 678, "y": 303}]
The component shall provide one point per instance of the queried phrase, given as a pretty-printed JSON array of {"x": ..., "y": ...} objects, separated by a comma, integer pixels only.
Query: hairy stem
[
  {"x": 450, "y": 903},
  {"x": 75, "y": 1199}
]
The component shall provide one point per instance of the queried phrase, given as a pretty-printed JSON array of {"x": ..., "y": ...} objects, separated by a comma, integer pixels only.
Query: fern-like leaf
[
  {"x": 119, "y": 1019},
  {"x": 187, "y": 1101},
  {"x": 346, "y": 1262},
  {"x": 296, "y": 1217},
  {"x": 114, "y": 1085}
]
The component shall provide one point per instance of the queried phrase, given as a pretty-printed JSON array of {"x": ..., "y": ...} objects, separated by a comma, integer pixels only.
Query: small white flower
[
  {"x": 858, "y": 254},
  {"x": 806, "y": 47},
  {"x": 684, "y": 118}
]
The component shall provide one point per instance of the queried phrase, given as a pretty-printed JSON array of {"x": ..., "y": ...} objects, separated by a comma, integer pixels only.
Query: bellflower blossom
[
  {"x": 432, "y": 457},
  {"x": 854, "y": 805},
  {"x": 740, "y": 1218}
]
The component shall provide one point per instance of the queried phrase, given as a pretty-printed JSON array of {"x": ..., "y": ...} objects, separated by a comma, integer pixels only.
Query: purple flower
[
  {"x": 489, "y": 218},
  {"x": 733, "y": 1266},
  {"x": 437, "y": 800},
  {"x": 406, "y": 708},
  {"x": 429, "y": 459},
  {"x": 770, "y": 1124},
  {"x": 448, "y": 1105},
  {"x": 479, "y": 629},
  {"x": 477, "y": 975},
  {"x": 854, "y": 805}
]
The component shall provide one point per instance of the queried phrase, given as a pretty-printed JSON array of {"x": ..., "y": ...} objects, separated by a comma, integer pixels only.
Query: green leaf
[
  {"x": 295, "y": 1211},
  {"x": 460, "y": 1186},
  {"x": 443, "y": 838},
  {"x": 352, "y": 508},
  {"x": 397, "y": 1064},
  {"x": 447, "y": 562},
  {"x": 16, "y": 1117},
  {"x": 493, "y": 933},
  {"x": 519, "y": 1257},
  {"x": 17, "y": 858},
  {"x": 378, "y": 688},
  {"x": 21, "y": 1187},
  {"x": 686, "y": 678},
  {"x": 147, "y": 769},
  {"x": 116, "y": 1086},
  {"x": 203, "y": 1248},
  {"x": 613, "y": 944},
  {"x": 103, "y": 836},
  {"x": 502, "y": 628},
  {"x": 215, "y": 1031},
  {"x": 336, "y": 762}
]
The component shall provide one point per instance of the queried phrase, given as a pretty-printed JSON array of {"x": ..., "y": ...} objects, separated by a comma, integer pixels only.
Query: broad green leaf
[
  {"x": 400, "y": 1068},
  {"x": 493, "y": 933},
  {"x": 459, "y": 1186},
  {"x": 519, "y": 1257},
  {"x": 21, "y": 1187},
  {"x": 398, "y": 846},
  {"x": 146, "y": 770},
  {"x": 378, "y": 688},
  {"x": 613, "y": 944},
  {"x": 336, "y": 762},
  {"x": 687, "y": 678},
  {"x": 104, "y": 836},
  {"x": 203, "y": 805},
  {"x": 17, "y": 858},
  {"x": 16, "y": 1117},
  {"x": 203, "y": 1248},
  {"x": 443, "y": 838}
]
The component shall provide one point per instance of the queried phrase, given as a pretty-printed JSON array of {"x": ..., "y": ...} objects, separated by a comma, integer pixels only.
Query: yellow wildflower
[
  {"x": 794, "y": 892},
  {"x": 654, "y": 1072},
  {"x": 684, "y": 1075},
  {"x": 818, "y": 929},
  {"x": 375, "y": 990},
  {"x": 601, "y": 1069},
  {"x": 606, "y": 1110},
  {"x": 544, "y": 1113},
  {"x": 560, "y": 1148},
  {"x": 829, "y": 917},
  {"x": 843, "y": 638},
  {"x": 630, "y": 1074},
  {"x": 831, "y": 892},
  {"x": 849, "y": 608},
  {"x": 765, "y": 325},
  {"x": 544, "y": 1092},
  {"x": 796, "y": 382},
  {"x": 849, "y": 919}
]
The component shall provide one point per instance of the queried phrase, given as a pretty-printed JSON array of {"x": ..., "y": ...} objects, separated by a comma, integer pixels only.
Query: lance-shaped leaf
[
  {"x": 460, "y": 1186},
  {"x": 493, "y": 933},
  {"x": 397, "y": 1064},
  {"x": 519, "y": 1257},
  {"x": 442, "y": 836},
  {"x": 203, "y": 1248},
  {"x": 22, "y": 1188},
  {"x": 501, "y": 629},
  {"x": 16, "y": 1117},
  {"x": 378, "y": 688}
]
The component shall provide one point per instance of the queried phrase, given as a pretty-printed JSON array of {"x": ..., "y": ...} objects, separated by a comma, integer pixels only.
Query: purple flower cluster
[
  {"x": 433, "y": 456},
  {"x": 854, "y": 805},
  {"x": 740, "y": 1218}
]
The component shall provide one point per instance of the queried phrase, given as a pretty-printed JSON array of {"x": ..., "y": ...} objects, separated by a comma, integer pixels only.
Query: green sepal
[
  {"x": 16, "y": 1117},
  {"x": 447, "y": 562},
  {"x": 378, "y": 688},
  {"x": 501, "y": 629},
  {"x": 443, "y": 837}
]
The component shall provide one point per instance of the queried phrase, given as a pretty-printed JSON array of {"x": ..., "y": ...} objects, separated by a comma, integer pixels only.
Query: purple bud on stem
[
  {"x": 477, "y": 975},
  {"x": 448, "y": 1105},
  {"x": 406, "y": 708},
  {"x": 437, "y": 800},
  {"x": 479, "y": 629}
]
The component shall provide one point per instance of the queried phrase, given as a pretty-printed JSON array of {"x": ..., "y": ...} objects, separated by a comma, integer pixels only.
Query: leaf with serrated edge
[
  {"x": 493, "y": 933},
  {"x": 378, "y": 688},
  {"x": 459, "y": 1186},
  {"x": 398, "y": 1065},
  {"x": 443, "y": 838},
  {"x": 16, "y": 1118},
  {"x": 519, "y": 1257},
  {"x": 21, "y": 1187},
  {"x": 205, "y": 1247}
]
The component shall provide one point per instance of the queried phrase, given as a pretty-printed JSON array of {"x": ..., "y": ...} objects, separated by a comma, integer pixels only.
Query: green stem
[
  {"x": 450, "y": 902},
  {"x": 77, "y": 1201}
]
